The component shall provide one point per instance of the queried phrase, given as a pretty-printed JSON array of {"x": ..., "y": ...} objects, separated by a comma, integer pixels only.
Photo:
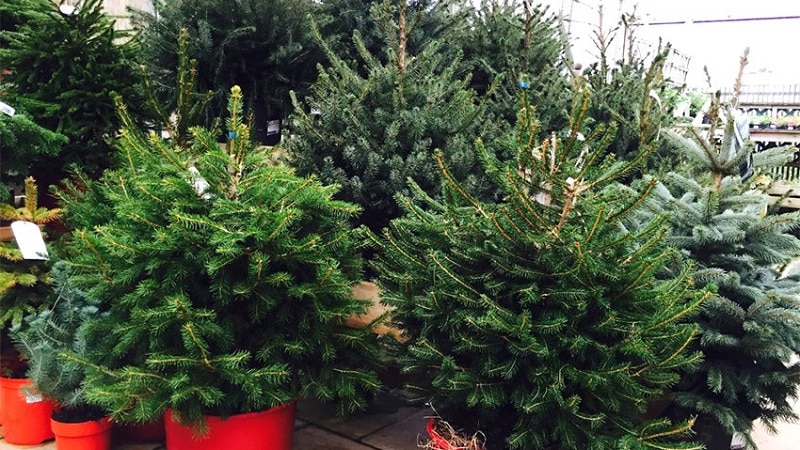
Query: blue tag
[
  {"x": 232, "y": 134},
  {"x": 524, "y": 85}
]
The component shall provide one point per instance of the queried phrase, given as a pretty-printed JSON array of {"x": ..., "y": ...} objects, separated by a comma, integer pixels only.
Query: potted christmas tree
[
  {"x": 24, "y": 289},
  {"x": 750, "y": 328},
  {"x": 42, "y": 339},
  {"x": 227, "y": 281},
  {"x": 539, "y": 320}
]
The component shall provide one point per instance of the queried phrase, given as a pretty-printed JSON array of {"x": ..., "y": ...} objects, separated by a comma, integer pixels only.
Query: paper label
[
  {"x": 33, "y": 398},
  {"x": 29, "y": 240},
  {"x": 273, "y": 127},
  {"x": 7, "y": 109},
  {"x": 200, "y": 184},
  {"x": 31, "y": 395}
]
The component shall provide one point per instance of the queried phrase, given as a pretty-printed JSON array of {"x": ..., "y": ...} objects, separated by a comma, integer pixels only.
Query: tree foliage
[
  {"x": 263, "y": 46},
  {"x": 428, "y": 21},
  {"x": 633, "y": 91},
  {"x": 24, "y": 283},
  {"x": 230, "y": 277},
  {"x": 24, "y": 144},
  {"x": 370, "y": 132},
  {"x": 539, "y": 319},
  {"x": 519, "y": 43},
  {"x": 44, "y": 338},
  {"x": 63, "y": 70},
  {"x": 749, "y": 328}
]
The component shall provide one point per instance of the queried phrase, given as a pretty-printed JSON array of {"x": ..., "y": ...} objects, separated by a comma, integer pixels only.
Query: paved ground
[{"x": 392, "y": 424}]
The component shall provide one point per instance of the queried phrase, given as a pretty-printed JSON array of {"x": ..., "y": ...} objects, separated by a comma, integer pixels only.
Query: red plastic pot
[
  {"x": 140, "y": 432},
  {"x": 26, "y": 416},
  {"x": 91, "y": 435},
  {"x": 438, "y": 442},
  {"x": 265, "y": 430},
  {"x": 10, "y": 363}
]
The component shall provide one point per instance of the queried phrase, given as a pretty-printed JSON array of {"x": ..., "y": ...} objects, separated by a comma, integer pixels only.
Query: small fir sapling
[
  {"x": 539, "y": 319},
  {"x": 46, "y": 336}
]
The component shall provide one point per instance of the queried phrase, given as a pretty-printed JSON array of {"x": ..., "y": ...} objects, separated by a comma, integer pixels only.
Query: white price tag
[
  {"x": 31, "y": 394},
  {"x": 273, "y": 127},
  {"x": 7, "y": 109},
  {"x": 33, "y": 398},
  {"x": 200, "y": 184},
  {"x": 29, "y": 240}
]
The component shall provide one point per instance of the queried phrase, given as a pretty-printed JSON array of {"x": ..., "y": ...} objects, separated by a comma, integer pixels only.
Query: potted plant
[
  {"x": 538, "y": 320},
  {"x": 231, "y": 280},
  {"x": 750, "y": 327},
  {"x": 760, "y": 121},
  {"x": 43, "y": 338},
  {"x": 792, "y": 122},
  {"x": 24, "y": 289}
]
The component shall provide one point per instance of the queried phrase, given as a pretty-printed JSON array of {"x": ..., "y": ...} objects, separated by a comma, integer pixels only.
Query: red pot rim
[
  {"x": 78, "y": 429},
  {"x": 14, "y": 382},
  {"x": 242, "y": 416}
]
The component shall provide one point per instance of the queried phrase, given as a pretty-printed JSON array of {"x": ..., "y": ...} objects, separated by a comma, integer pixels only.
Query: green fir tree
[
  {"x": 750, "y": 330},
  {"x": 522, "y": 43},
  {"x": 227, "y": 280},
  {"x": 264, "y": 46},
  {"x": 370, "y": 133},
  {"x": 24, "y": 144},
  {"x": 430, "y": 20},
  {"x": 63, "y": 70},
  {"x": 45, "y": 337},
  {"x": 634, "y": 92},
  {"x": 539, "y": 319}
]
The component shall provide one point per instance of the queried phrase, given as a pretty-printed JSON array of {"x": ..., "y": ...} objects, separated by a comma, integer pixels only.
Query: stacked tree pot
[
  {"x": 226, "y": 282},
  {"x": 538, "y": 320},
  {"x": 24, "y": 289}
]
